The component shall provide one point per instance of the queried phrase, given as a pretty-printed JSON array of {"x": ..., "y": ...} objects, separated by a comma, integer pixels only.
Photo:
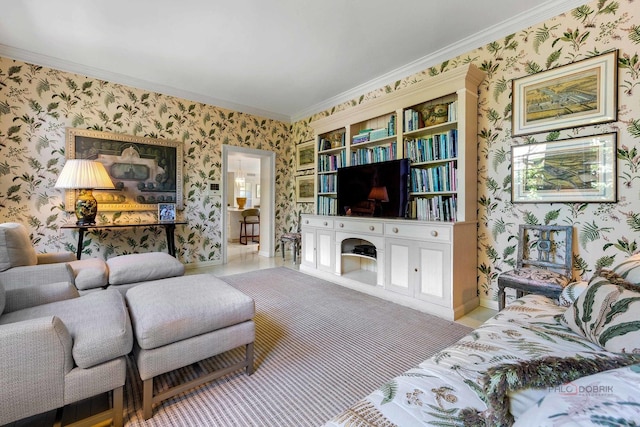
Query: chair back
[
  {"x": 252, "y": 214},
  {"x": 546, "y": 246}
]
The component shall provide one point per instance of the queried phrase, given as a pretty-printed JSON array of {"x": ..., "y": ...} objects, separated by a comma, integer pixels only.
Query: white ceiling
[{"x": 282, "y": 59}]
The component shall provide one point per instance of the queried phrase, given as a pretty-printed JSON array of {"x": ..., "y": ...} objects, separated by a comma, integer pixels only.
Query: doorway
[{"x": 262, "y": 189}]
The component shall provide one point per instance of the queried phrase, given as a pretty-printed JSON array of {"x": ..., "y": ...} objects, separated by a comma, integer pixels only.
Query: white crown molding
[
  {"x": 517, "y": 23},
  {"x": 73, "y": 67}
]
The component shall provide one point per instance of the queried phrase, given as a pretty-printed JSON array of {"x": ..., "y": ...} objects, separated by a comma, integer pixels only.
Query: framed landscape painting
[
  {"x": 305, "y": 156},
  {"x": 579, "y": 94},
  {"x": 145, "y": 171},
  {"x": 304, "y": 188},
  {"x": 566, "y": 171}
]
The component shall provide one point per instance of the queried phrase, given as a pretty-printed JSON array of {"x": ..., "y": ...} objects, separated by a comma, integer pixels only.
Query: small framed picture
[
  {"x": 305, "y": 156},
  {"x": 304, "y": 188},
  {"x": 166, "y": 212}
]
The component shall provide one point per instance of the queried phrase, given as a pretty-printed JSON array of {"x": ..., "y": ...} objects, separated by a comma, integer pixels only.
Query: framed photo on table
[
  {"x": 145, "y": 171},
  {"x": 305, "y": 156},
  {"x": 166, "y": 212},
  {"x": 579, "y": 94},
  {"x": 565, "y": 171}
]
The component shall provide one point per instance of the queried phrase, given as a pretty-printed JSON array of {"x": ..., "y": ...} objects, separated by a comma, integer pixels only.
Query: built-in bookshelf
[
  {"x": 426, "y": 260},
  {"x": 331, "y": 155},
  {"x": 433, "y": 123}
]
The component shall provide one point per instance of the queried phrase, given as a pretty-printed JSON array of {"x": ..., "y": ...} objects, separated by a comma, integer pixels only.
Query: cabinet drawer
[
  {"x": 317, "y": 222},
  {"x": 419, "y": 231},
  {"x": 370, "y": 227}
]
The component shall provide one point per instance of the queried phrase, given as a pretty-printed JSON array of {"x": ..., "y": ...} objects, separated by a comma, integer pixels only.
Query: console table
[{"x": 169, "y": 227}]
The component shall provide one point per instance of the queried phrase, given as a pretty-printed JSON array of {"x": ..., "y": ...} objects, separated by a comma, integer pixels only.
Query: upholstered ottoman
[{"x": 182, "y": 320}]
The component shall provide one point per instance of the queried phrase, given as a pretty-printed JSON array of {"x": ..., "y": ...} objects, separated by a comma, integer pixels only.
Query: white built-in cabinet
[{"x": 429, "y": 260}]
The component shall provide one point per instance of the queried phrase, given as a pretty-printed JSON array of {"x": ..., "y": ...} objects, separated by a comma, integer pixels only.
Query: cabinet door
[
  {"x": 308, "y": 257},
  {"x": 399, "y": 265},
  {"x": 325, "y": 247},
  {"x": 433, "y": 272}
]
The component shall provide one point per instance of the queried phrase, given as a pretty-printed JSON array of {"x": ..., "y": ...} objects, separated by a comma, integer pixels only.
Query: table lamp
[
  {"x": 84, "y": 175},
  {"x": 380, "y": 195}
]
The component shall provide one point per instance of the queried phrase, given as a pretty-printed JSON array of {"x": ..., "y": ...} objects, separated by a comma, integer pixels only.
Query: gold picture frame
[
  {"x": 305, "y": 156},
  {"x": 145, "y": 171},
  {"x": 576, "y": 170},
  {"x": 579, "y": 94}
]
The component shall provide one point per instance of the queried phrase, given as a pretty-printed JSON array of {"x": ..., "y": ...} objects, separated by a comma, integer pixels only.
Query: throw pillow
[
  {"x": 16, "y": 248},
  {"x": 607, "y": 315},
  {"x": 629, "y": 269},
  {"x": 605, "y": 398},
  {"x": 571, "y": 292},
  {"x": 546, "y": 372}
]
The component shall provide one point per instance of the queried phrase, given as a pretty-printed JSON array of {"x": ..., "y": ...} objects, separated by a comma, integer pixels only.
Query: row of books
[
  {"x": 414, "y": 119},
  {"x": 332, "y": 140},
  {"x": 377, "y": 154},
  {"x": 435, "y": 147},
  {"x": 331, "y": 162},
  {"x": 327, "y": 183},
  {"x": 327, "y": 205},
  {"x": 439, "y": 178},
  {"x": 437, "y": 208}
]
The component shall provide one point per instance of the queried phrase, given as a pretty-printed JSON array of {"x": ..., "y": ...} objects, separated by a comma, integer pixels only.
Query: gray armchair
[{"x": 57, "y": 348}]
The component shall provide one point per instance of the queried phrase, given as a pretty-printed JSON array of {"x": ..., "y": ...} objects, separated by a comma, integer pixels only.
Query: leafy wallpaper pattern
[
  {"x": 37, "y": 103},
  {"x": 606, "y": 233}
]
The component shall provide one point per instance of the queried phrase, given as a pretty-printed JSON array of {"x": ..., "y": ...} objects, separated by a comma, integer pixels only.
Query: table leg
[
  {"x": 80, "y": 241},
  {"x": 171, "y": 243}
]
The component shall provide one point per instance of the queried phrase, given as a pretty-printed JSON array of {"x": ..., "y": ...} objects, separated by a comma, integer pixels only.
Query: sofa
[
  {"x": 62, "y": 341},
  {"x": 538, "y": 362}
]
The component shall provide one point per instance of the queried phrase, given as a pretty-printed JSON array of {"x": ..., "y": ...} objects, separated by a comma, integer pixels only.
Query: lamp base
[{"x": 86, "y": 208}]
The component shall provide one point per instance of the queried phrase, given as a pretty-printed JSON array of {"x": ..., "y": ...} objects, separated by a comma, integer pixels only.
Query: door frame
[{"x": 267, "y": 197}]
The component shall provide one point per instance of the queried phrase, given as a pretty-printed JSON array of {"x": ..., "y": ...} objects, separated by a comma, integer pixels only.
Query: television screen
[{"x": 376, "y": 189}]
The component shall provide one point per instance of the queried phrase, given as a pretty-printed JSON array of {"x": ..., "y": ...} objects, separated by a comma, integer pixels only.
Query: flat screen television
[{"x": 376, "y": 189}]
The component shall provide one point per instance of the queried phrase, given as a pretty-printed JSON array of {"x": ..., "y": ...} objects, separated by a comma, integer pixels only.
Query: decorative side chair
[
  {"x": 295, "y": 238},
  {"x": 544, "y": 263}
]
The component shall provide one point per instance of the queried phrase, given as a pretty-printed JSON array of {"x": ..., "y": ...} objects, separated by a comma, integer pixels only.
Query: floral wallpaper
[
  {"x": 606, "y": 233},
  {"x": 38, "y": 103}
]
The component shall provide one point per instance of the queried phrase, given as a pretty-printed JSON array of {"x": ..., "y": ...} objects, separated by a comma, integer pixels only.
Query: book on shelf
[
  {"x": 436, "y": 208},
  {"x": 327, "y": 205},
  {"x": 437, "y": 178},
  {"x": 434, "y": 147},
  {"x": 377, "y": 154}
]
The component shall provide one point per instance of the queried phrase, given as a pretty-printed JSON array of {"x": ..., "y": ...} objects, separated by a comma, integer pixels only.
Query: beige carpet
[{"x": 319, "y": 348}]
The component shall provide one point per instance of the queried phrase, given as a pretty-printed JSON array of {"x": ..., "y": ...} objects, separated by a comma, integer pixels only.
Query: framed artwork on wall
[
  {"x": 305, "y": 156},
  {"x": 579, "y": 94},
  {"x": 565, "y": 171},
  {"x": 145, "y": 171},
  {"x": 304, "y": 188}
]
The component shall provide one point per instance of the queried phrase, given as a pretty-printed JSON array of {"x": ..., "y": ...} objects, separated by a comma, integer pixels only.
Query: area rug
[{"x": 320, "y": 347}]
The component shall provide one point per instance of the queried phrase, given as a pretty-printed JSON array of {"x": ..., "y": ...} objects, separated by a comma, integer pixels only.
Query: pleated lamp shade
[{"x": 84, "y": 175}]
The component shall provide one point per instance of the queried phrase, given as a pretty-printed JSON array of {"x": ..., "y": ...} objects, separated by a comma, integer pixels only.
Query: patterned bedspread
[{"x": 435, "y": 392}]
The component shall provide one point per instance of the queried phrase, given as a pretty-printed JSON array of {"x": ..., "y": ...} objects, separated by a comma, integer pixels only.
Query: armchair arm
[
  {"x": 33, "y": 295},
  {"x": 36, "y": 275},
  {"x": 55, "y": 257},
  {"x": 35, "y": 356}
]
